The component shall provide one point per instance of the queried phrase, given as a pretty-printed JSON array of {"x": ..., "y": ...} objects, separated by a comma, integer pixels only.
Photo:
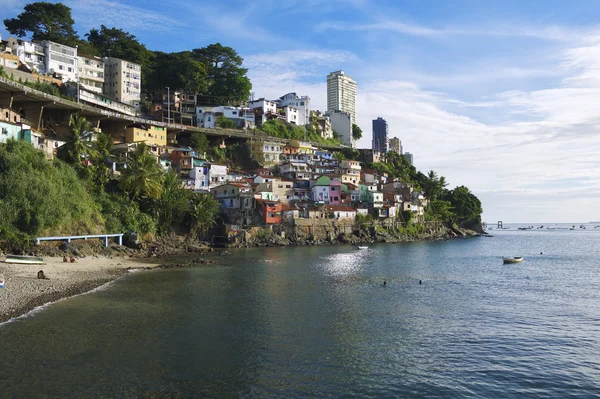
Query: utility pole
[
  {"x": 77, "y": 70},
  {"x": 168, "y": 104}
]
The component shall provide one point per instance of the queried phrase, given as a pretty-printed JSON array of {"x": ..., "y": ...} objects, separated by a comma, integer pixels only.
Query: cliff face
[{"x": 334, "y": 234}]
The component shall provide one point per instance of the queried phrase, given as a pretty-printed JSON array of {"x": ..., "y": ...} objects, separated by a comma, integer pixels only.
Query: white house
[
  {"x": 61, "y": 60},
  {"x": 291, "y": 115},
  {"x": 302, "y": 104},
  {"x": 207, "y": 176},
  {"x": 206, "y": 116},
  {"x": 33, "y": 55}
]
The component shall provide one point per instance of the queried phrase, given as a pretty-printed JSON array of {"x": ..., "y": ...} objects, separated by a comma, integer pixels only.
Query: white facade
[
  {"x": 208, "y": 176},
  {"x": 291, "y": 115},
  {"x": 341, "y": 123},
  {"x": 47, "y": 58},
  {"x": 61, "y": 60},
  {"x": 302, "y": 104},
  {"x": 91, "y": 73},
  {"x": 206, "y": 116},
  {"x": 123, "y": 81},
  {"x": 31, "y": 54},
  {"x": 266, "y": 105},
  {"x": 341, "y": 94},
  {"x": 320, "y": 193}
]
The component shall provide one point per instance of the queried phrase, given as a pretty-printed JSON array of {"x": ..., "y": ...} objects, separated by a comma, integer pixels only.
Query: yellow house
[{"x": 152, "y": 135}]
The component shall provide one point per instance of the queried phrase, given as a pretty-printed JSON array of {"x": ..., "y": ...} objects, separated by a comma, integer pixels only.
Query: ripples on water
[{"x": 317, "y": 322}]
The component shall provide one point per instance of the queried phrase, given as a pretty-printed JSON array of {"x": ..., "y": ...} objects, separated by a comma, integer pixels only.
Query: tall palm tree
[
  {"x": 79, "y": 143},
  {"x": 143, "y": 176}
]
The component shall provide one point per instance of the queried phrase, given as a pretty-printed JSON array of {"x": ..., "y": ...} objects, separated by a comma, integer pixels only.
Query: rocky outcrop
[{"x": 267, "y": 237}]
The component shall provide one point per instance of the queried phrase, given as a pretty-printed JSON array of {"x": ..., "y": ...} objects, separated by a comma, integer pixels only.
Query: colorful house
[
  {"x": 335, "y": 191},
  {"x": 270, "y": 211}
]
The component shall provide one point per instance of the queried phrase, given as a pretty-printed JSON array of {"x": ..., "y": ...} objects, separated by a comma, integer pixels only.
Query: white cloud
[
  {"x": 385, "y": 24},
  {"x": 93, "y": 13}
]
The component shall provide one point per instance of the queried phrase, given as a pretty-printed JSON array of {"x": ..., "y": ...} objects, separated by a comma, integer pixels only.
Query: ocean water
[{"x": 318, "y": 322}]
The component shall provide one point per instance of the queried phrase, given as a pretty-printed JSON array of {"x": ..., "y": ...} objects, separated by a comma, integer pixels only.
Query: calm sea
[{"x": 318, "y": 322}]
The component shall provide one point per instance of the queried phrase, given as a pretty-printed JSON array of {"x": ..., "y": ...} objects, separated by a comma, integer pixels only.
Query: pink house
[{"x": 335, "y": 192}]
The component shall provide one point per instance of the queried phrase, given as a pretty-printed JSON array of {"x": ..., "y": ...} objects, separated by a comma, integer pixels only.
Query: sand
[{"x": 23, "y": 291}]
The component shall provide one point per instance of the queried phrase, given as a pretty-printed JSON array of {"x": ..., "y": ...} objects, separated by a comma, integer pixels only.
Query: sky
[{"x": 499, "y": 96}]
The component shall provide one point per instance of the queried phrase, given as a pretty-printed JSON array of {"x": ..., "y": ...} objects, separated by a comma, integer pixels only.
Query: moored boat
[
  {"x": 516, "y": 259},
  {"x": 24, "y": 260},
  {"x": 362, "y": 247}
]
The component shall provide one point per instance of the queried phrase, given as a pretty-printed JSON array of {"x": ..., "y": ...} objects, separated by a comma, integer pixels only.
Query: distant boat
[
  {"x": 516, "y": 259},
  {"x": 362, "y": 247},
  {"x": 24, "y": 260},
  {"x": 2, "y": 281}
]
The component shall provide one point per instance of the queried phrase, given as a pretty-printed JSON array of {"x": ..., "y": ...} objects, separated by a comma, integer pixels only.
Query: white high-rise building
[
  {"x": 123, "y": 81},
  {"x": 46, "y": 57},
  {"x": 341, "y": 93}
]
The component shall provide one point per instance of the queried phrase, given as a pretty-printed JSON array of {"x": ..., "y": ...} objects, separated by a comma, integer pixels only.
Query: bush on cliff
[{"x": 38, "y": 196}]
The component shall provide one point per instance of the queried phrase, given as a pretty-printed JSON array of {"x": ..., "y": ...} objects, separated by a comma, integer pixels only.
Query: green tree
[
  {"x": 225, "y": 123},
  {"x": 465, "y": 204},
  {"x": 356, "y": 132},
  {"x": 118, "y": 43},
  {"x": 143, "y": 176},
  {"x": 203, "y": 214},
  {"x": 440, "y": 210},
  {"x": 199, "y": 142},
  {"x": 339, "y": 156},
  {"x": 226, "y": 80},
  {"x": 173, "y": 204},
  {"x": 45, "y": 21},
  {"x": 79, "y": 143}
]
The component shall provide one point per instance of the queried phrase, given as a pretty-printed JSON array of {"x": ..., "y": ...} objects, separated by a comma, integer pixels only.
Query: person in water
[
  {"x": 420, "y": 282},
  {"x": 384, "y": 283}
]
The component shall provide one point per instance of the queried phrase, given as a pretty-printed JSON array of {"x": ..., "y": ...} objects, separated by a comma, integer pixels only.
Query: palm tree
[
  {"x": 143, "y": 176},
  {"x": 79, "y": 143},
  {"x": 204, "y": 210}
]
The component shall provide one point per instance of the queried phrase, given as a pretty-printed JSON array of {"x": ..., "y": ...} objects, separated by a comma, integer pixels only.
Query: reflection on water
[{"x": 317, "y": 322}]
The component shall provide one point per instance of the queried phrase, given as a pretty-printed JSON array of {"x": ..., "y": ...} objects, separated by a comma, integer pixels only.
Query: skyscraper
[
  {"x": 341, "y": 93},
  {"x": 395, "y": 145},
  {"x": 409, "y": 158},
  {"x": 380, "y": 135}
]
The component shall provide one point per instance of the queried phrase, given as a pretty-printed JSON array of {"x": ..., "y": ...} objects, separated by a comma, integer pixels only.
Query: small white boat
[
  {"x": 362, "y": 247},
  {"x": 2, "y": 281},
  {"x": 24, "y": 260},
  {"x": 516, "y": 259}
]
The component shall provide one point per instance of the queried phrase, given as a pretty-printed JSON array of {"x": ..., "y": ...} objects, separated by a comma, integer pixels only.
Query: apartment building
[
  {"x": 341, "y": 94},
  {"x": 91, "y": 73},
  {"x": 123, "y": 80}
]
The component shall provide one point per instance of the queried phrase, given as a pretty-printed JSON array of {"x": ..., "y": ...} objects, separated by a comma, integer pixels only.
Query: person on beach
[
  {"x": 65, "y": 259},
  {"x": 72, "y": 259}
]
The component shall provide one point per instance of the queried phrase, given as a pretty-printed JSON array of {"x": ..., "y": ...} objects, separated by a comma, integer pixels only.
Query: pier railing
[{"x": 69, "y": 238}]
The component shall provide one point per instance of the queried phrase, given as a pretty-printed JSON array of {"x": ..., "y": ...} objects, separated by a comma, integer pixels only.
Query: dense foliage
[
  {"x": 284, "y": 130},
  {"x": 38, "y": 196}
]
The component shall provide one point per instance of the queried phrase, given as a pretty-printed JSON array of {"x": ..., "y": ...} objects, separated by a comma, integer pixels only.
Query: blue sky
[{"x": 501, "y": 96}]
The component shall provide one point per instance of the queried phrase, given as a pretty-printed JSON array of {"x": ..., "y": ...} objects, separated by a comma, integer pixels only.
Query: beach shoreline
[{"x": 23, "y": 291}]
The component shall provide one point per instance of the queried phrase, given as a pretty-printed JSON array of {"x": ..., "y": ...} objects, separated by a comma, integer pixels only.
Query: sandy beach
[{"x": 23, "y": 291}]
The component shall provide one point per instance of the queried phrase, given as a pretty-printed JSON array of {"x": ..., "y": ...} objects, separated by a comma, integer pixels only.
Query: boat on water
[
  {"x": 508, "y": 259},
  {"x": 24, "y": 260},
  {"x": 362, "y": 247}
]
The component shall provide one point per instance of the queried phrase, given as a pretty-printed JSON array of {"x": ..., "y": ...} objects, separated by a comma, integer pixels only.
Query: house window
[
  {"x": 61, "y": 67},
  {"x": 70, "y": 69},
  {"x": 230, "y": 202}
]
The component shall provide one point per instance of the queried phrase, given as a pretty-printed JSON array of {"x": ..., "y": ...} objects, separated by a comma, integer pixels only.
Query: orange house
[{"x": 270, "y": 211}]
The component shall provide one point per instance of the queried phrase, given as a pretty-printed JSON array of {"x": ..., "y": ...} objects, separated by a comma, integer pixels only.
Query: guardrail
[{"x": 69, "y": 238}]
